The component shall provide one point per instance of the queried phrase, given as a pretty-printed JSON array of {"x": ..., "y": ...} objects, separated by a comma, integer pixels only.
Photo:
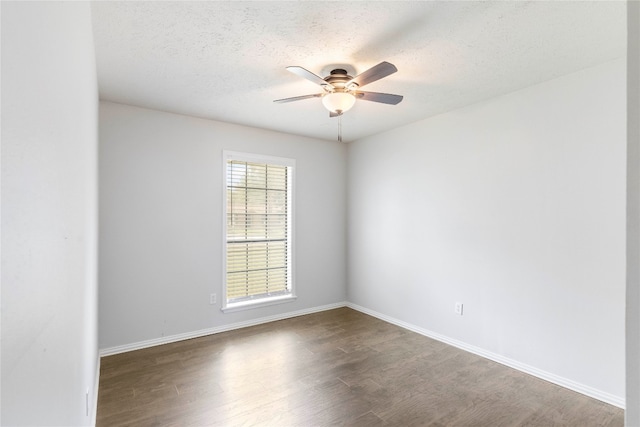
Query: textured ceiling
[{"x": 226, "y": 60}]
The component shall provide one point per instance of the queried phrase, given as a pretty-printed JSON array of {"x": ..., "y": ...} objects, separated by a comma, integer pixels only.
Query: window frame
[{"x": 291, "y": 182}]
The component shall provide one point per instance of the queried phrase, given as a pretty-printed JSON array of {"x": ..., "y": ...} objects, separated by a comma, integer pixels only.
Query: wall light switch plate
[
  {"x": 212, "y": 299},
  {"x": 458, "y": 308}
]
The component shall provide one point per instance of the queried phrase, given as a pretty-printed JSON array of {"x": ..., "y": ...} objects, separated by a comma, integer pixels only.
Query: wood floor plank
[{"x": 338, "y": 367}]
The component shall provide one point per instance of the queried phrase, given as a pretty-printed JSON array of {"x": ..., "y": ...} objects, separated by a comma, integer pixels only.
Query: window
[{"x": 258, "y": 228}]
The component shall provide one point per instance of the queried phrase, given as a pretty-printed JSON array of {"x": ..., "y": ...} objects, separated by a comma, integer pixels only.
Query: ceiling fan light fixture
[{"x": 338, "y": 102}]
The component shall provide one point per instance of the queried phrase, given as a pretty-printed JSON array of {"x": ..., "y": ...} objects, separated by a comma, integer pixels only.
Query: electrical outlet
[
  {"x": 212, "y": 299},
  {"x": 458, "y": 308}
]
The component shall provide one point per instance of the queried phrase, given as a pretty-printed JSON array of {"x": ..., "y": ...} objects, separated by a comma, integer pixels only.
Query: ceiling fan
[{"x": 340, "y": 90}]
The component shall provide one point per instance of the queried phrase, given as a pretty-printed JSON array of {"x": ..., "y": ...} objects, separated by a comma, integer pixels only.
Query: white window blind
[{"x": 258, "y": 231}]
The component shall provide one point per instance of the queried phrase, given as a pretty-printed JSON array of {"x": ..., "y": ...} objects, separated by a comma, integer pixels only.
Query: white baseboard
[
  {"x": 210, "y": 331},
  {"x": 547, "y": 376}
]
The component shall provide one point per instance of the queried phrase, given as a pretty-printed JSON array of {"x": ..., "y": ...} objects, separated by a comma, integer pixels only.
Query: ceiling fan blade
[
  {"x": 298, "y": 98},
  {"x": 374, "y": 73},
  {"x": 306, "y": 74},
  {"x": 385, "y": 98}
]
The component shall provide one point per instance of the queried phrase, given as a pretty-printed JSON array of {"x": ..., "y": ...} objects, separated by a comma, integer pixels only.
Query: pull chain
[{"x": 340, "y": 128}]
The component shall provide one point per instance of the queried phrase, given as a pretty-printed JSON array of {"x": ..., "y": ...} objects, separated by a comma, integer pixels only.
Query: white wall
[
  {"x": 161, "y": 222},
  {"x": 515, "y": 207},
  {"x": 49, "y": 222},
  {"x": 633, "y": 216}
]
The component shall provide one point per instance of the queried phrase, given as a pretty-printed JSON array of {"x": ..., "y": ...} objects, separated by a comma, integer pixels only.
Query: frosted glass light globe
[{"x": 338, "y": 102}]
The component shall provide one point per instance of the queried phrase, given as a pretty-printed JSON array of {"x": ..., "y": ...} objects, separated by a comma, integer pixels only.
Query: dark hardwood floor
[{"x": 337, "y": 367}]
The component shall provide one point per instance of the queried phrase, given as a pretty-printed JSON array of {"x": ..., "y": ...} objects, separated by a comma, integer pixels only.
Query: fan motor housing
[{"x": 337, "y": 78}]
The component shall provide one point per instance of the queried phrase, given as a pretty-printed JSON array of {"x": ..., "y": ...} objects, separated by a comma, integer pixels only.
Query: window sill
[{"x": 263, "y": 302}]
